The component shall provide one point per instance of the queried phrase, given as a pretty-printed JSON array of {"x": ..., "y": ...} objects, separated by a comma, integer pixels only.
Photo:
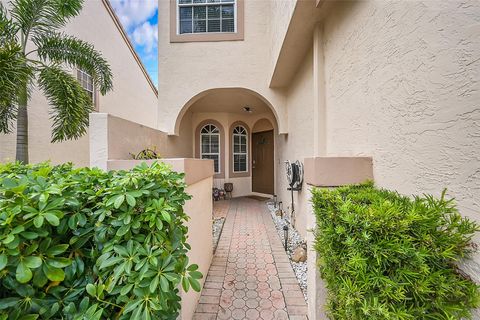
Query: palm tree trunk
[{"x": 22, "y": 128}]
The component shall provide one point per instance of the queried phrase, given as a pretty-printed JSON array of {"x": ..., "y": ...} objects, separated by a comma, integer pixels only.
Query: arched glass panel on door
[{"x": 210, "y": 145}]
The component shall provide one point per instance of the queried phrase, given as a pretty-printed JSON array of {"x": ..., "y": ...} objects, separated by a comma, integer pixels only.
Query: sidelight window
[
  {"x": 240, "y": 149},
  {"x": 210, "y": 145}
]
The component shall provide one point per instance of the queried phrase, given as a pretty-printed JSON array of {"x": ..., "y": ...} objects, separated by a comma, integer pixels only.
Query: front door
[{"x": 262, "y": 162}]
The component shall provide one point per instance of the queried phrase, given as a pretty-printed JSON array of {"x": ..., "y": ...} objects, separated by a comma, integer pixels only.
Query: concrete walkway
[{"x": 250, "y": 276}]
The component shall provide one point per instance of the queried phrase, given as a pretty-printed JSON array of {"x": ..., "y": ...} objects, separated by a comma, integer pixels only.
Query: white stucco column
[{"x": 98, "y": 140}]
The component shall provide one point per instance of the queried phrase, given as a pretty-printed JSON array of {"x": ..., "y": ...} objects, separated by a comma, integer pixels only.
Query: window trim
[
  {"x": 210, "y": 134},
  {"x": 232, "y": 173},
  {"x": 240, "y": 153},
  {"x": 198, "y": 128},
  {"x": 175, "y": 36}
]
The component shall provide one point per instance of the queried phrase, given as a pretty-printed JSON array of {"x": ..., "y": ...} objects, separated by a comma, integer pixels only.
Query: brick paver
[
  {"x": 250, "y": 276},
  {"x": 220, "y": 208}
]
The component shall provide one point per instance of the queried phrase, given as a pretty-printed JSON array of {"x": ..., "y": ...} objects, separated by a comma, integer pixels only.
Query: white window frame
[
  {"x": 85, "y": 74},
  {"x": 240, "y": 153},
  {"x": 206, "y": 4},
  {"x": 219, "y": 145}
]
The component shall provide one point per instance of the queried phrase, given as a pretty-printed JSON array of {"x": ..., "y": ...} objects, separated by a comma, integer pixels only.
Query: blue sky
[{"x": 140, "y": 20}]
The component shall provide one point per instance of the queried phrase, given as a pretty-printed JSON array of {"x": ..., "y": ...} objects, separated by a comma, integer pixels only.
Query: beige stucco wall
[
  {"x": 189, "y": 69},
  {"x": 132, "y": 97},
  {"x": 114, "y": 138},
  {"x": 199, "y": 209},
  {"x": 128, "y": 137},
  {"x": 280, "y": 16},
  {"x": 298, "y": 144},
  {"x": 401, "y": 85}
]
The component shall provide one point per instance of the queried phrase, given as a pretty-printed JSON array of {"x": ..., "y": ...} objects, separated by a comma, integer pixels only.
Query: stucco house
[{"x": 387, "y": 90}]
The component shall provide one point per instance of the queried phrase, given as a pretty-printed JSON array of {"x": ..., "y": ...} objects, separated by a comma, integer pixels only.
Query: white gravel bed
[
  {"x": 294, "y": 240},
  {"x": 217, "y": 231}
]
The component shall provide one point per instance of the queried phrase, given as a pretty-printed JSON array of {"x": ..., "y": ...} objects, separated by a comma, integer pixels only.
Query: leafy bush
[
  {"x": 386, "y": 256},
  {"x": 146, "y": 154},
  {"x": 86, "y": 244}
]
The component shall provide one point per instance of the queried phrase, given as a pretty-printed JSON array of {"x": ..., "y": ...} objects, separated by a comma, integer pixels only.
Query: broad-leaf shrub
[
  {"x": 386, "y": 256},
  {"x": 86, "y": 244}
]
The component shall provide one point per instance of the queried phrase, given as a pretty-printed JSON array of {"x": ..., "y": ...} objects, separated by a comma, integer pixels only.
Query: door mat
[{"x": 258, "y": 198}]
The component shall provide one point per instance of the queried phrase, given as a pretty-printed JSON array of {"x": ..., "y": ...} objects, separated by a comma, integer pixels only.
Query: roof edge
[{"x": 124, "y": 35}]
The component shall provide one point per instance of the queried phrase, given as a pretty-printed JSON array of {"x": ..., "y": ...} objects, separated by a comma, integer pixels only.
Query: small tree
[{"x": 32, "y": 50}]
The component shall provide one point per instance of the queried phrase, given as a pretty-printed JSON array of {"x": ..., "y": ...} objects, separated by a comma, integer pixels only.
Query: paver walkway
[
  {"x": 250, "y": 276},
  {"x": 220, "y": 208}
]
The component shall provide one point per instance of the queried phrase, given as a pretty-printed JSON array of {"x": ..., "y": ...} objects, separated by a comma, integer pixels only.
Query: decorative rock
[
  {"x": 294, "y": 241},
  {"x": 217, "y": 230},
  {"x": 299, "y": 254}
]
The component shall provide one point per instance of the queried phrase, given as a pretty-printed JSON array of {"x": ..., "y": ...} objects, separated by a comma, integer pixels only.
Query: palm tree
[{"x": 34, "y": 52}]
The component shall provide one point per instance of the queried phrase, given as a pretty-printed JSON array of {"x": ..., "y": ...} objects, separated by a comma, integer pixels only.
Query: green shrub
[
  {"x": 385, "y": 256},
  {"x": 86, "y": 244}
]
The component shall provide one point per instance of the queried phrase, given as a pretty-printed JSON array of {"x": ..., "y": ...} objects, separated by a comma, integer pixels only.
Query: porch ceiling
[{"x": 230, "y": 101}]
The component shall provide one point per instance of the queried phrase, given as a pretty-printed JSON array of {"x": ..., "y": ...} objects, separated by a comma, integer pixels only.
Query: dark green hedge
[
  {"x": 86, "y": 244},
  {"x": 386, "y": 256}
]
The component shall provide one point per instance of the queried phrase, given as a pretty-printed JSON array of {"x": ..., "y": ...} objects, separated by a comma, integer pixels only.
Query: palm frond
[
  {"x": 8, "y": 29},
  {"x": 71, "y": 104},
  {"x": 14, "y": 77},
  {"x": 8, "y": 115},
  {"x": 68, "y": 8},
  {"x": 40, "y": 16},
  {"x": 60, "y": 48}
]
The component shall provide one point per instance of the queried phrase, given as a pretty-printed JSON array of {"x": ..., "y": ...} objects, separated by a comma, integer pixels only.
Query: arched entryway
[{"x": 246, "y": 127}]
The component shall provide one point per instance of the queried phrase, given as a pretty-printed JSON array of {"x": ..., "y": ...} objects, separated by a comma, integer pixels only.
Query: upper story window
[
  {"x": 206, "y": 16},
  {"x": 210, "y": 145},
  {"x": 240, "y": 147}
]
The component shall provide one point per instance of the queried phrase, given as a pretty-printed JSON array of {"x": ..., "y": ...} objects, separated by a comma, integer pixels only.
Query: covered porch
[{"x": 237, "y": 129}]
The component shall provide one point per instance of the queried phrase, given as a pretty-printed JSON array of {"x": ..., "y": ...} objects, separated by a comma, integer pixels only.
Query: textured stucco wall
[
  {"x": 403, "y": 85},
  {"x": 131, "y": 98},
  {"x": 128, "y": 137},
  {"x": 199, "y": 209},
  {"x": 298, "y": 144},
  {"x": 114, "y": 138},
  {"x": 182, "y": 145},
  {"x": 281, "y": 13}
]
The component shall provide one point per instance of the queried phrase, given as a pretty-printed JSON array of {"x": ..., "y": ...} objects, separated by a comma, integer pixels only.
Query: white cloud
[
  {"x": 133, "y": 13},
  {"x": 146, "y": 35}
]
